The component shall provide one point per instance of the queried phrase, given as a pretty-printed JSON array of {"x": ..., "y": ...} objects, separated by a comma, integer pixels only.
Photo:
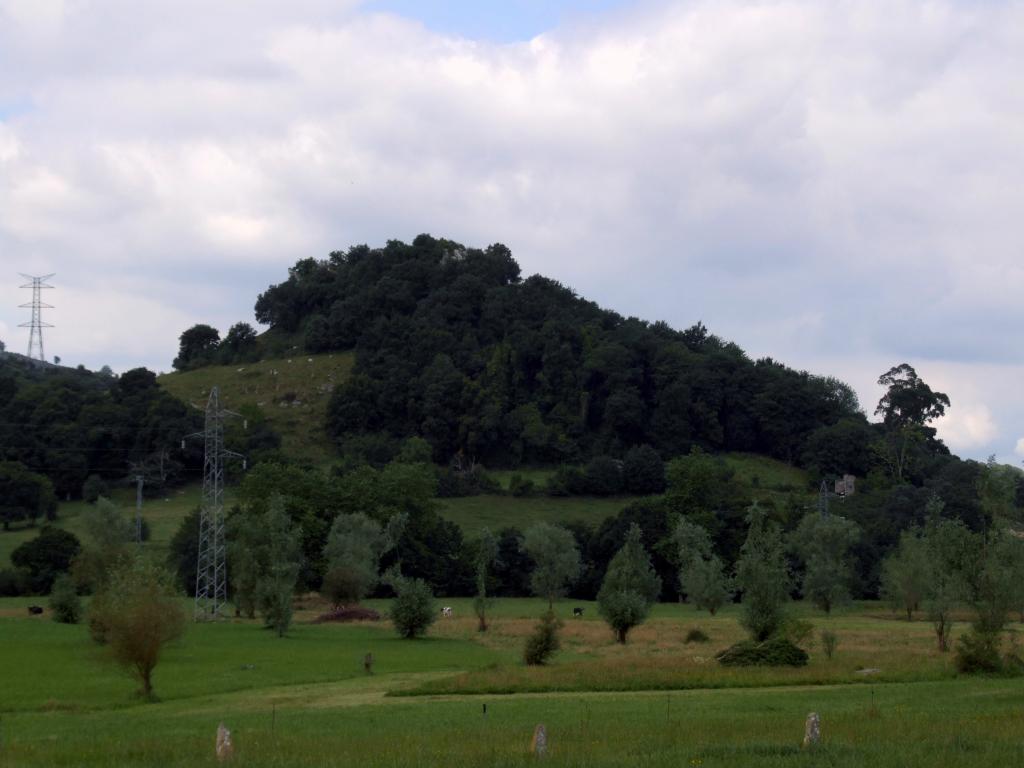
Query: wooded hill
[{"x": 453, "y": 345}]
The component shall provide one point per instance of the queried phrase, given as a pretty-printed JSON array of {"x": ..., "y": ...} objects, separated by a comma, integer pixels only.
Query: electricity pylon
[
  {"x": 36, "y": 324},
  {"x": 212, "y": 573}
]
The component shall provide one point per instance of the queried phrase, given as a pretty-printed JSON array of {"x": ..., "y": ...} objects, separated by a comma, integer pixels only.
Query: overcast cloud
[{"x": 837, "y": 185}]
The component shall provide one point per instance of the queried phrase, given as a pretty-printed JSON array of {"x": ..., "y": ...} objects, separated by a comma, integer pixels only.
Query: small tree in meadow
[
  {"x": 282, "y": 558},
  {"x": 701, "y": 573},
  {"x": 952, "y": 556},
  {"x": 905, "y": 573},
  {"x": 824, "y": 543},
  {"x": 64, "y": 600},
  {"x": 414, "y": 608},
  {"x": 556, "y": 560},
  {"x": 544, "y": 642},
  {"x": 141, "y": 613},
  {"x": 485, "y": 553},
  {"x": 630, "y": 586},
  {"x": 762, "y": 577},
  {"x": 353, "y": 551}
]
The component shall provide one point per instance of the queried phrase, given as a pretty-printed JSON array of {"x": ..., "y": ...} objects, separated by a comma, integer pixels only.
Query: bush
[
  {"x": 64, "y": 601},
  {"x": 603, "y": 476},
  {"x": 643, "y": 471},
  {"x": 567, "y": 481},
  {"x": 343, "y": 585},
  {"x": 414, "y": 608},
  {"x": 14, "y": 582},
  {"x": 696, "y": 635},
  {"x": 829, "y": 643},
  {"x": 978, "y": 653},
  {"x": 774, "y": 652},
  {"x": 455, "y": 483},
  {"x": 348, "y": 613},
  {"x": 520, "y": 486},
  {"x": 94, "y": 487},
  {"x": 45, "y": 556},
  {"x": 544, "y": 642}
]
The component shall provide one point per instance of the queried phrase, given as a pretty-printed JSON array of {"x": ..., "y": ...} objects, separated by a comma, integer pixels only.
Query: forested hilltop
[{"x": 453, "y": 345}]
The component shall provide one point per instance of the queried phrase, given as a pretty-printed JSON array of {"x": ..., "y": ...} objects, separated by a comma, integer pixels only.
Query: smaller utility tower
[
  {"x": 823, "y": 499},
  {"x": 211, "y": 573},
  {"x": 36, "y": 324}
]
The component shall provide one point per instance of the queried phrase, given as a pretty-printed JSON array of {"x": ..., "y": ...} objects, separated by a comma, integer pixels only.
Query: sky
[{"x": 835, "y": 185}]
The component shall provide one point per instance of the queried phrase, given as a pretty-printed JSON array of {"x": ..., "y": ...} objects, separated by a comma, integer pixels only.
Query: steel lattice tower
[
  {"x": 36, "y": 324},
  {"x": 823, "y": 499},
  {"x": 212, "y": 573}
]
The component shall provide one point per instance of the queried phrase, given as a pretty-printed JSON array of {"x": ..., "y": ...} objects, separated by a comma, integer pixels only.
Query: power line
[{"x": 36, "y": 324}]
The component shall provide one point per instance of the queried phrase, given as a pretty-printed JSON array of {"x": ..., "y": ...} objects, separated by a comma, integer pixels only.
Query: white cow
[{"x": 447, "y": 611}]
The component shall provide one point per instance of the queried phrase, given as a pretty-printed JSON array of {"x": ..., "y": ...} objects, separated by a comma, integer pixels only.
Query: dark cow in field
[
  {"x": 35, "y": 610},
  {"x": 577, "y": 612}
]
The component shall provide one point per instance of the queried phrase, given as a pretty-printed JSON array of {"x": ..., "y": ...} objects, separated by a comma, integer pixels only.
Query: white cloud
[{"x": 824, "y": 183}]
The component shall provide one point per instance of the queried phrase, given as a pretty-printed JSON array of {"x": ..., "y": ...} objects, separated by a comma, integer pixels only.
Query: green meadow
[{"x": 462, "y": 698}]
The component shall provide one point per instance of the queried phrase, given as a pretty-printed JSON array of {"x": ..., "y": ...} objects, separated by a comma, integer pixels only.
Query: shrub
[
  {"x": 94, "y": 487},
  {"x": 643, "y": 471},
  {"x": 567, "y": 481},
  {"x": 14, "y": 582},
  {"x": 45, "y": 556},
  {"x": 348, "y": 613},
  {"x": 978, "y": 652},
  {"x": 603, "y": 476},
  {"x": 520, "y": 486},
  {"x": 414, "y": 608},
  {"x": 696, "y": 635},
  {"x": 829, "y": 643},
  {"x": 775, "y": 652},
  {"x": 64, "y": 601},
  {"x": 343, "y": 585},
  {"x": 544, "y": 642}
]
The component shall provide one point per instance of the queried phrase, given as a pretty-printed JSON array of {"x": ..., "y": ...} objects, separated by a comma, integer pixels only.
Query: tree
[
  {"x": 183, "y": 554},
  {"x": 485, "y": 553},
  {"x": 109, "y": 535},
  {"x": 544, "y": 642},
  {"x": 906, "y": 408},
  {"x": 140, "y": 612},
  {"x": 353, "y": 551},
  {"x": 414, "y": 608},
  {"x": 952, "y": 557},
  {"x": 701, "y": 572},
  {"x": 197, "y": 347},
  {"x": 46, "y": 556},
  {"x": 824, "y": 543},
  {"x": 905, "y": 573},
  {"x": 24, "y": 495},
  {"x": 93, "y": 488},
  {"x": 282, "y": 557},
  {"x": 762, "y": 576},
  {"x": 630, "y": 586},
  {"x": 643, "y": 471},
  {"x": 240, "y": 344},
  {"x": 556, "y": 560},
  {"x": 64, "y": 600}
]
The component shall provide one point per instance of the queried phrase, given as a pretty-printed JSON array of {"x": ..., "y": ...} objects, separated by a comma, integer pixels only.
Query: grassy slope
[
  {"x": 291, "y": 392},
  {"x": 305, "y": 701}
]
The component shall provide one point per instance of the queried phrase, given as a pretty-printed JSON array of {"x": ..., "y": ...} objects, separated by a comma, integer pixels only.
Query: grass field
[
  {"x": 291, "y": 392},
  {"x": 305, "y": 700}
]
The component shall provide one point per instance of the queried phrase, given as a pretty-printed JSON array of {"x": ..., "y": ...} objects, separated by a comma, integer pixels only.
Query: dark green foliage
[
  {"x": 544, "y": 642},
  {"x": 14, "y": 582},
  {"x": 774, "y": 652},
  {"x": 94, "y": 487},
  {"x": 64, "y": 601},
  {"x": 69, "y": 424},
  {"x": 511, "y": 569},
  {"x": 520, "y": 486},
  {"x": 696, "y": 635},
  {"x": 978, "y": 652},
  {"x": 197, "y": 347},
  {"x": 630, "y": 586},
  {"x": 47, "y": 555},
  {"x": 451, "y": 344},
  {"x": 240, "y": 345},
  {"x": 602, "y": 476},
  {"x": 643, "y": 471},
  {"x": 824, "y": 545},
  {"x": 24, "y": 495},
  {"x": 414, "y": 609},
  {"x": 762, "y": 577},
  {"x": 183, "y": 555}
]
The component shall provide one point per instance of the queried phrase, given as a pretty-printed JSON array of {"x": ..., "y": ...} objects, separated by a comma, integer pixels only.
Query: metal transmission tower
[
  {"x": 211, "y": 574},
  {"x": 823, "y": 499},
  {"x": 36, "y": 324}
]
